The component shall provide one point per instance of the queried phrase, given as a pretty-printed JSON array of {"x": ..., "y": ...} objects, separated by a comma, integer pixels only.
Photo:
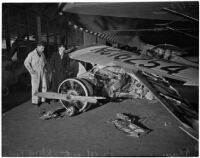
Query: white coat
[{"x": 35, "y": 64}]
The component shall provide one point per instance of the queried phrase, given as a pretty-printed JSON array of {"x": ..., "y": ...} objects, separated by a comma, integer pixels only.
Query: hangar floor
[{"x": 89, "y": 134}]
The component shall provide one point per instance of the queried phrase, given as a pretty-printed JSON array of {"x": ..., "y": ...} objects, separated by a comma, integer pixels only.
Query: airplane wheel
[{"x": 75, "y": 86}]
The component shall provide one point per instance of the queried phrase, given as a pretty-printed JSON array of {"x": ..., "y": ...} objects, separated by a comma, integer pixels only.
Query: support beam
[
  {"x": 96, "y": 40},
  {"x": 8, "y": 45},
  {"x": 38, "y": 21},
  {"x": 55, "y": 37},
  {"x": 67, "y": 37},
  {"x": 27, "y": 24},
  {"x": 18, "y": 25},
  {"x": 47, "y": 27}
]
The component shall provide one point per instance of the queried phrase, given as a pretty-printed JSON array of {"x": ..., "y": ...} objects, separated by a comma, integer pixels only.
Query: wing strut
[
  {"x": 187, "y": 34},
  {"x": 181, "y": 14}
]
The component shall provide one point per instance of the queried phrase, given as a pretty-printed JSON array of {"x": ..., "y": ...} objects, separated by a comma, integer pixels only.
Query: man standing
[
  {"x": 59, "y": 63},
  {"x": 35, "y": 63}
]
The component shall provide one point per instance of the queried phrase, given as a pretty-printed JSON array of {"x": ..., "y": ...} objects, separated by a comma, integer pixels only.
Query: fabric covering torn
[{"x": 129, "y": 124}]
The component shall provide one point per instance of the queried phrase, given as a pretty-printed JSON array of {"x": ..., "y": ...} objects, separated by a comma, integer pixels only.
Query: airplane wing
[
  {"x": 132, "y": 62},
  {"x": 145, "y": 10},
  {"x": 152, "y": 73},
  {"x": 173, "y": 102}
]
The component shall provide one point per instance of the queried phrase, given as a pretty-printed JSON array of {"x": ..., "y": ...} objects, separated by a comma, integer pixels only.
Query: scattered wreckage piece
[
  {"x": 48, "y": 115},
  {"x": 128, "y": 125}
]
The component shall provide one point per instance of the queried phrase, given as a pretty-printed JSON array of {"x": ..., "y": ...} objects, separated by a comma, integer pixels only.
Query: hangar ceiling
[{"x": 20, "y": 18}]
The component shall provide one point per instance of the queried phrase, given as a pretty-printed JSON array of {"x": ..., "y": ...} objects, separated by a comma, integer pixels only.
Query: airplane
[
  {"x": 152, "y": 72},
  {"x": 120, "y": 74}
]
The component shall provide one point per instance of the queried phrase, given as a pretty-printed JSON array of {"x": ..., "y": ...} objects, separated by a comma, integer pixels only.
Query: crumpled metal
[{"x": 127, "y": 125}]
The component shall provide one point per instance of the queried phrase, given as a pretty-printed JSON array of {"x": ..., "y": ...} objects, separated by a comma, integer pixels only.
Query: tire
[{"x": 76, "y": 86}]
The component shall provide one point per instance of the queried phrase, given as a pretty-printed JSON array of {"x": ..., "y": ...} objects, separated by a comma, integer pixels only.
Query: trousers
[{"x": 38, "y": 83}]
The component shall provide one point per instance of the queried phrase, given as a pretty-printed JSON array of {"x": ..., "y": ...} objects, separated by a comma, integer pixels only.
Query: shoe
[{"x": 39, "y": 104}]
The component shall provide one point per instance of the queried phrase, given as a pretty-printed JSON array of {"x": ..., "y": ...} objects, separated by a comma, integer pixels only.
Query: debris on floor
[
  {"x": 53, "y": 115},
  {"x": 130, "y": 125},
  {"x": 47, "y": 115}
]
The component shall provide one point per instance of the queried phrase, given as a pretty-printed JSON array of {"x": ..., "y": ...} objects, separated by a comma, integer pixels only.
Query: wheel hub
[{"x": 72, "y": 92}]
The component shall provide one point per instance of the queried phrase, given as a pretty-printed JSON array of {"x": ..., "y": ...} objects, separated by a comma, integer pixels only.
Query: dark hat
[
  {"x": 40, "y": 44},
  {"x": 61, "y": 45}
]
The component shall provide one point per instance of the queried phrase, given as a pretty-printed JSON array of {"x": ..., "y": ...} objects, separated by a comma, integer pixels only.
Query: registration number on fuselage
[{"x": 137, "y": 60}]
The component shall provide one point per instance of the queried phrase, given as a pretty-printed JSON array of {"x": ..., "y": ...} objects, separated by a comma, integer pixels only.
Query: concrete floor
[
  {"x": 89, "y": 134},
  {"x": 15, "y": 99}
]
